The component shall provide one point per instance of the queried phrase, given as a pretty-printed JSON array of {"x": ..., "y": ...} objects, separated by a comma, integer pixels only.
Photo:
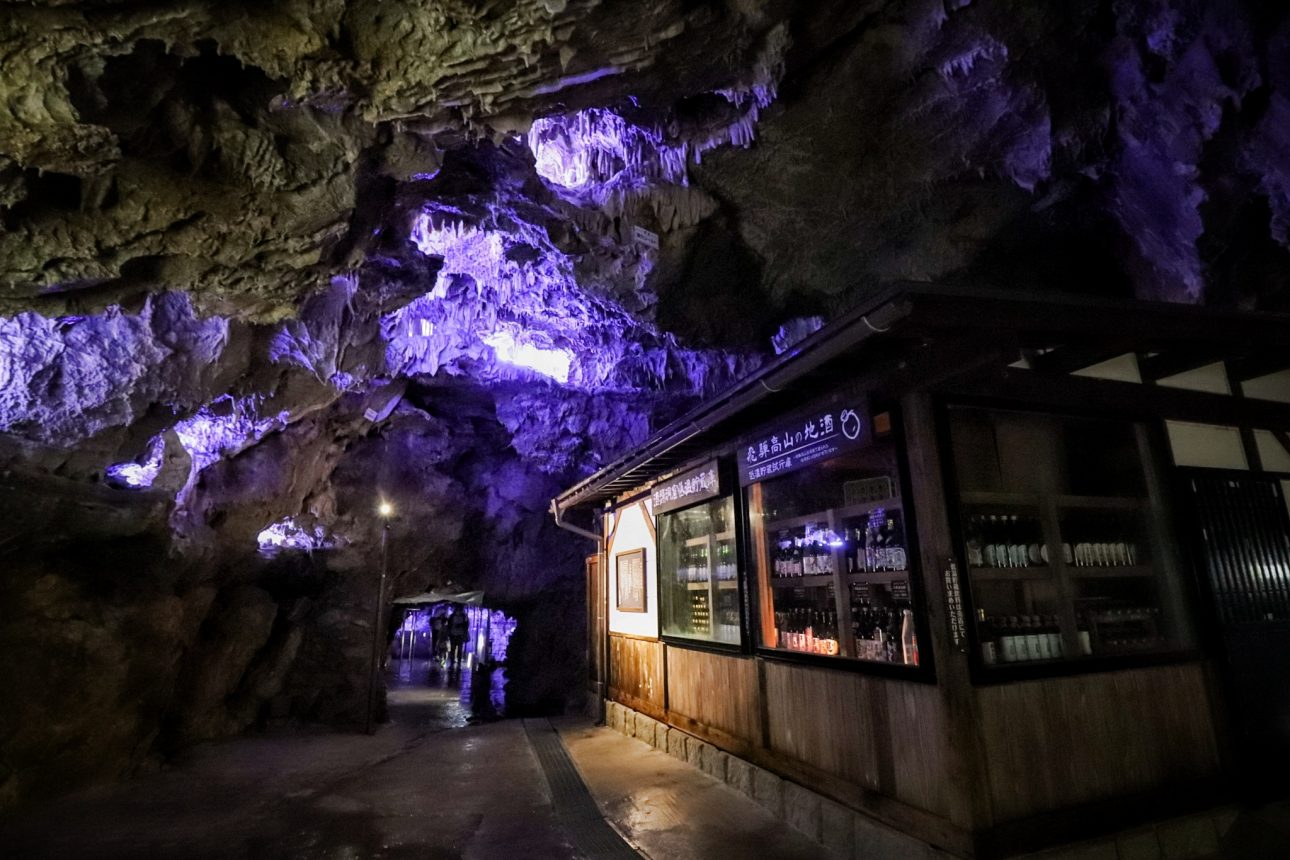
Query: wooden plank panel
[
  {"x": 920, "y": 743},
  {"x": 1063, "y": 741},
  {"x": 716, "y": 690},
  {"x": 887, "y": 736},
  {"x": 636, "y": 673}
]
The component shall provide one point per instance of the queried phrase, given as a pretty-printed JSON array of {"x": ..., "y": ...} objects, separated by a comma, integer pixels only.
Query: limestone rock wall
[{"x": 264, "y": 265}]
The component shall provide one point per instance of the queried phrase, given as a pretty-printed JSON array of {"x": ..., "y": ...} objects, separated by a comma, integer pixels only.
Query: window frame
[
  {"x": 925, "y": 671},
  {"x": 739, "y": 527},
  {"x": 982, "y": 675}
]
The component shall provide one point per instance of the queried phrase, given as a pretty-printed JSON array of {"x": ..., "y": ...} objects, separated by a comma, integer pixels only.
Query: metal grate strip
[
  {"x": 1247, "y": 547},
  {"x": 574, "y": 805}
]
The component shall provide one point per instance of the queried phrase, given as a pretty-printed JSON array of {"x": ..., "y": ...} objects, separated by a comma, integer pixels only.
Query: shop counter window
[
  {"x": 698, "y": 574},
  {"x": 1066, "y": 538},
  {"x": 831, "y": 559}
]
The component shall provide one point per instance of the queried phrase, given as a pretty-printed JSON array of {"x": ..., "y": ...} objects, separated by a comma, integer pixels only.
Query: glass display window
[
  {"x": 699, "y": 573},
  {"x": 830, "y": 556},
  {"x": 1066, "y": 538}
]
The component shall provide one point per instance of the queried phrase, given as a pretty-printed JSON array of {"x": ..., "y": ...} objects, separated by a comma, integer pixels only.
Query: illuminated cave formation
[{"x": 260, "y": 267}]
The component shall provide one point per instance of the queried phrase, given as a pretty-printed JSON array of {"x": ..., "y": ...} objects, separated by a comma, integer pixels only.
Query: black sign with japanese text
[
  {"x": 790, "y": 444},
  {"x": 685, "y": 489}
]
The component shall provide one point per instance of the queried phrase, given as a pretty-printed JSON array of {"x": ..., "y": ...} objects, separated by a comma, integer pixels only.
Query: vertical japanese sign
[
  {"x": 792, "y": 443},
  {"x": 954, "y": 606}
]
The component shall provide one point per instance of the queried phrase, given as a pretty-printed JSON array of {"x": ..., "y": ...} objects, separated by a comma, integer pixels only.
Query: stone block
[
  {"x": 629, "y": 722},
  {"x": 694, "y": 750},
  {"x": 676, "y": 744},
  {"x": 837, "y": 828},
  {"x": 1104, "y": 850},
  {"x": 1188, "y": 837},
  {"x": 614, "y": 716},
  {"x": 802, "y": 810},
  {"x": 1224, "y": 819},
  {"x": 739, "y": 775},
  {"x": 714, "y": 762},
  {"x": 873, "y": 839},
  {"x": 768, "y": 790},
  {"x": 1142, "y": 845},
  {"x": 643, "y": 727},
  {"x": 661, "y": 732}
]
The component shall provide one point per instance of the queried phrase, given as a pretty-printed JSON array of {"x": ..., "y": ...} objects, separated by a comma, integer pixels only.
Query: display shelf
[
  {"x": 877, "y": 575},
  {"x": 833, "y": 514},
  {"x": 1115, "y": 503},
  {"x": 813, "y": 581},
  {"x": 990, "y": 574},
  {"x": 702, "y": 540},
  {"x": 983, "y": 497},
  {"x": 727, "y": 583},
  {"x": 1133, "y": 571}
]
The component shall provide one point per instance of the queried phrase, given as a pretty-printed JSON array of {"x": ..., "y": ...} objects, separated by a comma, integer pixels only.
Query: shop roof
[{"x": 961, "y": 329}]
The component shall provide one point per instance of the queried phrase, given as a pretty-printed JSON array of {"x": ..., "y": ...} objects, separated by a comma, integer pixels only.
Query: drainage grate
[{"x": 573, "y": 803}]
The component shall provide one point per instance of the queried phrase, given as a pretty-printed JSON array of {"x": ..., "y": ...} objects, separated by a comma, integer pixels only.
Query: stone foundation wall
[
  {"x": 851, "y": 834},
  {"x": 841, "y": 830}
]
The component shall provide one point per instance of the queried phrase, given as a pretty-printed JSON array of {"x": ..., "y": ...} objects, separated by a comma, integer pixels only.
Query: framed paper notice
[{"x": 630, "y": 567}]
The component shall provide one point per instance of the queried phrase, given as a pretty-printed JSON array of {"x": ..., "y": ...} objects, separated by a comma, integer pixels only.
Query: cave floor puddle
[{"x": 426, "y": 696}]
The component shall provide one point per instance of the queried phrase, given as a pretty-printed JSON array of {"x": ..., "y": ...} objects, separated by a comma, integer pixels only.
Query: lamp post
[{"x": 385, "y": 510}]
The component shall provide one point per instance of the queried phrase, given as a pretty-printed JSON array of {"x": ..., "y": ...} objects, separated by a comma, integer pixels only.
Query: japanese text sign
[
  {"x": 792, "y": 443},
  {"x": 685, "y": 489}
]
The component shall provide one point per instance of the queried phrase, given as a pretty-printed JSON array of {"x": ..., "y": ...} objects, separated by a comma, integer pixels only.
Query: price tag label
[{"x": 954, "y": 606}]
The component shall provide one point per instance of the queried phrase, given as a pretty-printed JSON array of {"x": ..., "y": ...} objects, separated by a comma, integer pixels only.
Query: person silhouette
[
  {"x": 438, "y": 636},
  {"x": 458, "y": 630}
]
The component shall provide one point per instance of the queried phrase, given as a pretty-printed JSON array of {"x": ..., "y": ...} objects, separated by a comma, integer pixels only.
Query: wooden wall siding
[
  {"x": 636, "y": 673},
  {"x": 715, "y": 690},
  {"x": 1063, "y": 741},
  {"x": 888, "y": 736}
]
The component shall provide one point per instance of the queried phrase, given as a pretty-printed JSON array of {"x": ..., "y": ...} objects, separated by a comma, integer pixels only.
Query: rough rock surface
[{"x": 262, "y": 265}]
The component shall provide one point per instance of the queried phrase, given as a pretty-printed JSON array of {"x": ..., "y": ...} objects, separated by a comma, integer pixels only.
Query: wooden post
[{"x": 965, "y": 774}]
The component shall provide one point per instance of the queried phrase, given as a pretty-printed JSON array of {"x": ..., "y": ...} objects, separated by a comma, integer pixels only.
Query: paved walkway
[
  {"x": 428, "y": 785},
  {"x": 445, "y": 780}
]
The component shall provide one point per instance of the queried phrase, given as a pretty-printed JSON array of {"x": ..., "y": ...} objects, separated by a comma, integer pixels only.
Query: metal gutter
[{"x": 557, "y": 515}]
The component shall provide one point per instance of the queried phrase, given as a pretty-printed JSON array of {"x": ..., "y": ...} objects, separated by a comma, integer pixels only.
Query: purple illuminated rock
[{"x": 64, "y": 380}]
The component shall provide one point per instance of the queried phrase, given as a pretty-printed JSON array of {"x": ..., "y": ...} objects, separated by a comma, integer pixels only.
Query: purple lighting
[
  {"x": 225, "y": 424},
  {"x": 597, "y": 145},
  {"x": 466, "y": 250},
  {"x": 68, "y": 378},
  {"x": 793, "y": 331},
  {"x": 553, "y": 363},
  {"x": 286, "y": 533},
  {"x": 140, "y": 473}
]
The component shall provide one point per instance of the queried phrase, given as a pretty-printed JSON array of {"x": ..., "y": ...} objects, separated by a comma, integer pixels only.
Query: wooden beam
[
  {"x": 649, "y": 522},
  {"x": 1060, "y": 318},
  {"x": 1077, "y": 393},
  {"x": 1079, "y": 355},
  {"x": 1173, "y": 361},
  {"x": 1255, "y": 365},
  {"x": 1283, "y": 438}
]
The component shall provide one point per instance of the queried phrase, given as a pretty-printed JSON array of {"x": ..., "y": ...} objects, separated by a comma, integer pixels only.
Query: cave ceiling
[{"x": 249, "y": 247}]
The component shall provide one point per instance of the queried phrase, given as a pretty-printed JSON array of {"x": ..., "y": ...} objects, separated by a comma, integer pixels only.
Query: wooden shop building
[{"x": 995, "y": 570}]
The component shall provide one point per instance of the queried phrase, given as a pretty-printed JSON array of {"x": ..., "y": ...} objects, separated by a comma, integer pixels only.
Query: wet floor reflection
[{"x": 423, "y": 694}]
